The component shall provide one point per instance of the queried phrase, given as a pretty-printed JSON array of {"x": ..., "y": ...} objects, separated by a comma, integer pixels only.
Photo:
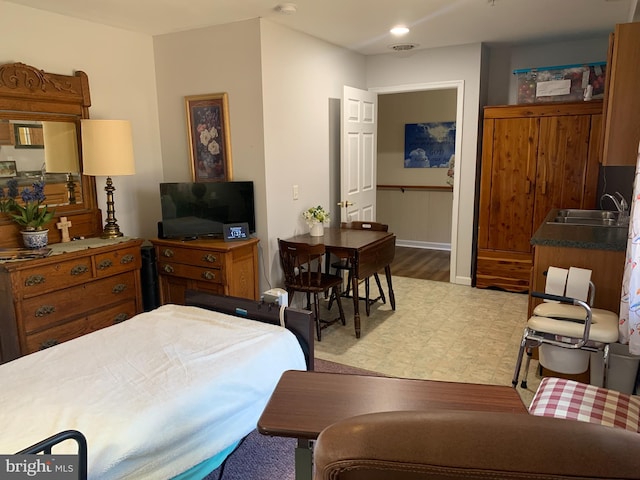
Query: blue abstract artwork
[{"x": 429, "y": 145}]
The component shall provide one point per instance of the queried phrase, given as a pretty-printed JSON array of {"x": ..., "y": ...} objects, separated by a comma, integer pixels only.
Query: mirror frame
[{"x": 27, "y": 93}]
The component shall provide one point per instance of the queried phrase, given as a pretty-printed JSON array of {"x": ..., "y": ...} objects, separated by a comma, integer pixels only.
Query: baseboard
[{"x": 425, "y": 245}]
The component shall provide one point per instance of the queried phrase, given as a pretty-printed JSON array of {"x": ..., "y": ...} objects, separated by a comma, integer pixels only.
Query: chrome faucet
[{"x": 621, "y": 204}]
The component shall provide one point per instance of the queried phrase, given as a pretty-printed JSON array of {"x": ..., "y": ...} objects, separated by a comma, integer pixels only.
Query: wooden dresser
[
  {"x": 81, "y": 287},
  {"x": 214, "y": 266}
]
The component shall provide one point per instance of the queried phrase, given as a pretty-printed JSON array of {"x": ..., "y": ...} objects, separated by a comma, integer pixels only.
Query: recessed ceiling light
[{"x": 399, "y": 30}]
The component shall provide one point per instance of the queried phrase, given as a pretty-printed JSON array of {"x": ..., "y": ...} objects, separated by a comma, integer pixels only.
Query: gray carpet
[{"x": 260, "y": 457}]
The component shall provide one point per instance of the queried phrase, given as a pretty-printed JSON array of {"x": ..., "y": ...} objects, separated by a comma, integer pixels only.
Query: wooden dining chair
[
  {"x": 343, "y": 264},
  {"x": 302, "y": 266}
]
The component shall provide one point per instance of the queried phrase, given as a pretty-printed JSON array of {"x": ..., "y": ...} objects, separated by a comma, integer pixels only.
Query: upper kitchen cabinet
[
  {"x": 534, "y": 158},
  {"x": 622, "y": 97}
]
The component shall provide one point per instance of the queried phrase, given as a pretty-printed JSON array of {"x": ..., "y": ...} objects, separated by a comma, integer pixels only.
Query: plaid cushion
[{"x": 561, "y": 398}]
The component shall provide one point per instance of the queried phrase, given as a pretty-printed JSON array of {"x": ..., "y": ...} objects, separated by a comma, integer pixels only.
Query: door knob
[{"x": 345, "y": 204}]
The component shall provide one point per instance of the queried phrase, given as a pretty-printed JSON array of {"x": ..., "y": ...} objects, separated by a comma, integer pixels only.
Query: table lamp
[
  {"x": 107, "y": 150},
  {"x": 61, "y": 152}
]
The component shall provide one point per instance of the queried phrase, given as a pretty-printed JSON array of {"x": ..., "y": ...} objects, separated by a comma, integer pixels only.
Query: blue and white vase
[{"x": 35, "y": 238}]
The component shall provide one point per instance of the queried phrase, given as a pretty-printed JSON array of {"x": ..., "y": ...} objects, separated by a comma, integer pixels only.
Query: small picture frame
[
  {"x": 8, "y": 168},
  {"x": 233, "y": 232},
  {"x": 209, "y": 137}
]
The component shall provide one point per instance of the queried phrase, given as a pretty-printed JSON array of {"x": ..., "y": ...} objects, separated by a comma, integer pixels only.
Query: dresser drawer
[
  {"x": 190, "y": 256},
  {"x": 213, "y": 275},
  {"x": 55, "y": 335},
  {"x": 50, "y": 309},
  {"x": 111, "y": 316},
  {"x": 34, "y": 281},
  {"x": 118, "y": 261}
]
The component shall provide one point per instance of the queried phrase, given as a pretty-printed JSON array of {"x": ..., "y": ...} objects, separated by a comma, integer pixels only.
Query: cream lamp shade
[
  {"x": 107, "y": 148},
  {"x": 60, "y": 147}
]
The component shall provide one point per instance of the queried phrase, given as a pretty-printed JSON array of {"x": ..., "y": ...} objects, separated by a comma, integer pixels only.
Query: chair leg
[
  {"x": 605, "y": 365},
  {"x": 523, "y": 384},
  {"x": 382, "y": 297},
  {"x": 367, "y": 303},
  {"x": 316, "y": 312},
  {"x": 348, "y": 289},
  {"x": 336, "y": 293},
  {"x": 516, "y": 372}
]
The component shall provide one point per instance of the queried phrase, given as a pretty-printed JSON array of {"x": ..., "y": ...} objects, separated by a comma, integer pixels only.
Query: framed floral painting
[{"x": 209, "y": 138}]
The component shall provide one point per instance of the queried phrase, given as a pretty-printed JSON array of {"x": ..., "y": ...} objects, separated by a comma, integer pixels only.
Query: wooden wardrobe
[{"x": 534, "y": 158}]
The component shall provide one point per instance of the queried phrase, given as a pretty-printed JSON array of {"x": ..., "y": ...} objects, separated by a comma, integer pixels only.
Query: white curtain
[{"x": 630, "y": 299}]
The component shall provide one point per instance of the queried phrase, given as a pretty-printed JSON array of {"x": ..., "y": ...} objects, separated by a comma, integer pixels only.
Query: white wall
[
  {"x": 301, "y": 77},
  {"x": 462, "y": 63},
  {"x": 209, "y": 60},
  {"x": 121, "y": 74}
]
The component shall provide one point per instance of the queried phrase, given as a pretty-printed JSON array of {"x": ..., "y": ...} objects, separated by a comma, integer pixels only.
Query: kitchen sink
[{"x": 599, "y": 218}]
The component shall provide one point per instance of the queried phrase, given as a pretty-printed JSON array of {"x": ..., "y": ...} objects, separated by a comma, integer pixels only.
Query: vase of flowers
[
  {"x": 316, "y": 217},
  {"x": 30, "y": 213}
]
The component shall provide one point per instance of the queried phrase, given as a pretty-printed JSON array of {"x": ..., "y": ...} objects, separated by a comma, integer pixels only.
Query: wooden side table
[{"x": 304, "y": 403}]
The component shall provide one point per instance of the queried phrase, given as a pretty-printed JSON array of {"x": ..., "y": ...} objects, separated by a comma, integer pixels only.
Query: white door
[{"x": 358, "y": 155}]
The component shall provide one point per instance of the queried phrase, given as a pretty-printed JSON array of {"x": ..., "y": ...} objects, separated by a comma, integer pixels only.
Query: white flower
[
  {"x": 205, "y": 137},
  {"x": 214, "y": 148},
  {"x": 213, "y": 132},
  {"x": 316, "y": 215}
]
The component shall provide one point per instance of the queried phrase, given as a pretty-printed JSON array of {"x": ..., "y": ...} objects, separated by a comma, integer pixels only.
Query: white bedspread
[{"x": 154, "y": 395}]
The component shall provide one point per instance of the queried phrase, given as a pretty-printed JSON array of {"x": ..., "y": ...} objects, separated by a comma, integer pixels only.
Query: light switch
[{"x": 295, "y": 192}]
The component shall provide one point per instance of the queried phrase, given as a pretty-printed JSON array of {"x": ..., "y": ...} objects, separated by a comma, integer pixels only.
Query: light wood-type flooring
[{"x": 421, "y": 263}]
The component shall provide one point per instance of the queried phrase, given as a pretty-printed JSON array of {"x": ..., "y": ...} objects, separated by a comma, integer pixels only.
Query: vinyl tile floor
[{"x": 439, "y": 331}]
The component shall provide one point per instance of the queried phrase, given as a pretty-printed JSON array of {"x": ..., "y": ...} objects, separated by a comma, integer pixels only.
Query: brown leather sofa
[{"x": 448, "y": 445}]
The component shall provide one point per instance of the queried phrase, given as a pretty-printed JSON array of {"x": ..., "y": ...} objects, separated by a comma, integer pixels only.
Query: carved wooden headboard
[{"x": 30, "y": 95}]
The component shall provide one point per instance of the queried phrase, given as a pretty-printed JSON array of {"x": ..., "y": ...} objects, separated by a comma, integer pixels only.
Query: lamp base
[
  {"x": 111, "y": 231},
  {"x": 111, "y": 228}
]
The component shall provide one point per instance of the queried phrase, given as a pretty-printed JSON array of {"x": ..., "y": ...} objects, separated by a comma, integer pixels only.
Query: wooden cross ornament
[{"x": 63, "y": 225}]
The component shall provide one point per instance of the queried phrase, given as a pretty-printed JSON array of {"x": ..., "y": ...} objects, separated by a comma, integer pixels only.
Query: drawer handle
[
  {"x": 103, "y": 265},
  {"x": 34, "y": 280},
  {"x": 119, "y": 288},
  {"x": 121, "y": 317},
  {"x": 209, "y": 258},
  {"x": 79, "y": 270},
  {"x": 45, "y": 310},
  {"x": 168, "y": 269},
  {"x": 167, "y": 252},
  {"x": 208, "y": 275},
  {"x": 127, "y": 259},
  {"x": 52, "y": 342}
]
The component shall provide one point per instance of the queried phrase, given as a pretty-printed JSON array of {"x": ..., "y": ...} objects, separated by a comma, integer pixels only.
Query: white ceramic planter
[{"x": 35, "y": 238}]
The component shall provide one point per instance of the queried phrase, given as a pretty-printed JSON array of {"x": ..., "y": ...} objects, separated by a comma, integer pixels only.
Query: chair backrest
[
  {"x": 357, "y": 225},
  {"x": 301, "y": 263},
  {"x": 406, "y": 445}
]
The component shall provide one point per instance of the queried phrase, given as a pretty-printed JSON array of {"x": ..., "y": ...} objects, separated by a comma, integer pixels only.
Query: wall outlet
[{"x": 296, "y": 193}]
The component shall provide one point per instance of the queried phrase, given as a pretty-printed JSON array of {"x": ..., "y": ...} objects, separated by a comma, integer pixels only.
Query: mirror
[
  {"x": 40, "y": 115},
  {"x": 42, "y": 151}
]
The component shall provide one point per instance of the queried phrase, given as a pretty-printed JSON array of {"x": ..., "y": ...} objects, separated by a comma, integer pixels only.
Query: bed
[{"x": 166, "y": 394}]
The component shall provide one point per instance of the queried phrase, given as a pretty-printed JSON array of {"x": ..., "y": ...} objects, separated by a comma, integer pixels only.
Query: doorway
[{"x": 457, "y": 87}]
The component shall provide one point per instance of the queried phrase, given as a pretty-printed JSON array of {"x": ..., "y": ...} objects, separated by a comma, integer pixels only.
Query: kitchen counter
[{"x": 579, "y": 236}]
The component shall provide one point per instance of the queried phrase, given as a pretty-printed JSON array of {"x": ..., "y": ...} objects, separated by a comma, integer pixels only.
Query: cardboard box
[{"x": 565, "y": 83}]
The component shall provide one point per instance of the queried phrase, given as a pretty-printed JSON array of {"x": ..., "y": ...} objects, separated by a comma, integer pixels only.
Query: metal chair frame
[{"x": 532, "y": 338}]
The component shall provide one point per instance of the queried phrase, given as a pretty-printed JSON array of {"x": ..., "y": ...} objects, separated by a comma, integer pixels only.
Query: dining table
[{"x": 366, "y": 251}]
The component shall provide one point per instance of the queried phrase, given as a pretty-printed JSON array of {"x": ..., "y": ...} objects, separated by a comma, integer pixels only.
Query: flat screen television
[{"x": 200, "y": 209}]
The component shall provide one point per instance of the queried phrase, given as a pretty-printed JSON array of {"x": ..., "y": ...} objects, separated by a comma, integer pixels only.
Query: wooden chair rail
[{"x": 445, "y": 188}]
